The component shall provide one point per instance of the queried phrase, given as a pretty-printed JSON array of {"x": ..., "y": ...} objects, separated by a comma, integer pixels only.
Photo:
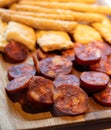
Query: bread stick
[
  {"x": 81, "y": 7},
  {"x": 79, "y": 1},
  {"x": 73, "y": 16},
  {"x": 40, "y": 23},
  {"x": 5, "y": 3}
]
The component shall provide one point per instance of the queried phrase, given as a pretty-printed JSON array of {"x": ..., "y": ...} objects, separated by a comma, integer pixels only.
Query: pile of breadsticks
[{"x": 61, "y": 15}]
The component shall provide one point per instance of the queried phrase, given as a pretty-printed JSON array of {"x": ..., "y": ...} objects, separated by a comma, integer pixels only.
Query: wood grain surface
[{"x": 13, "y": 117}]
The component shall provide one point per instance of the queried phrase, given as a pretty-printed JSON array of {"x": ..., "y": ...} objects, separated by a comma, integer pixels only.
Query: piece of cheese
[
  {"x": 3, "y": 41},
  {"x": 85, "y": 34},
  {"x": 53, "y": 40},
  {"x": 21, "y": 33}
]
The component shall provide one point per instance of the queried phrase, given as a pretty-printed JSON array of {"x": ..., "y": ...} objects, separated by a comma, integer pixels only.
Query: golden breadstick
[
  {"x": 4, "y": 3},
  {"x": 73, "y": 16},
  {"x": 79, "y": 1},
  {"x": 81, "y": 7},
  {"x": 40, "y": 23},
  {"x": 104, "y": 29}
]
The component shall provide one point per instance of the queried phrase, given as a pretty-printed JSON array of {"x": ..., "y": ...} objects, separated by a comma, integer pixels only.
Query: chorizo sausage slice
[
  {"x": 40, "y": 90},
  {"x": 104, "y": 48},
  {"x": 104, "y": 65},
  {"x": 93, "y": 81},
  {"x": 21, "y": 70},
  {"x": 66, "y": 79},
  {"x": 18, "y": 84},
  {"x": 104, "y": 97},
  {"x": 15, "y": 52},
  {"x": 53, "y": 66},
  {"x": 69, "y": 100},
  {"x": 69, "y": 54},
  {"x": 86, "y": 54}
]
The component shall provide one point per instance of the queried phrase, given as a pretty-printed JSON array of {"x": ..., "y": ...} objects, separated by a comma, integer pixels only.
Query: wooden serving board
[{"x": 13, "y": 117}]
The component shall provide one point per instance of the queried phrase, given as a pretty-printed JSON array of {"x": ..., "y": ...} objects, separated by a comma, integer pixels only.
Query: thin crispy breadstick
[
  {"x": 79, "y": 1},
  {"x": 81, "y": 7},
  {"x": 40, "y": 23},
  {"x": 4, "y": 3},
  {"x": 73, "y": 16}
]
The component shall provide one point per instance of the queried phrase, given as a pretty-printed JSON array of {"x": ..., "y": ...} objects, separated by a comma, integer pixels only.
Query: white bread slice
[
  {"x": 53, "y": 40},
  {"x": 3, "y": 41},
  {"x": 21, "y": 33}
]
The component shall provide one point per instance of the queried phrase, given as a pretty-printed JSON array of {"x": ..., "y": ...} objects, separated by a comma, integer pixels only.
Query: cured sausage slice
[
  {"x": 104, "y": 48},
  {"x": 69, "y": 54},
  {"x": 15, "y": 52},
  {"x": 18, "y": 84},
  {"x": 86, "y": 54},
  {"x": 70, "y": 100},
  {"x": 53, "y": 66},
  {"x": 40, "y": 90},
  {"x": 66, "y": 79},
  {"x": 93, "y": 81},
  {"x": 21, "y": 70},
  {"x": 104, "y": 65},
  {"x": 104, "y": 97}
]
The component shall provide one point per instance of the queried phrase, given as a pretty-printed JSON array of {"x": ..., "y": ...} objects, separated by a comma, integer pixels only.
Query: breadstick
[
  {"x": 73, "y": 16},
  {"x": 4, "y": 3},
  {"x": 81, "y": 7},
  {"x": 79, "y": 1},
  {"x": 40, "y": 23}
]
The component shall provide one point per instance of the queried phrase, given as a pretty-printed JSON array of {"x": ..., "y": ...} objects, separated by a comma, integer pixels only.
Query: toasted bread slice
[
  {"x": 53, "y": 40},
  {"x": 21, "y": 33}
]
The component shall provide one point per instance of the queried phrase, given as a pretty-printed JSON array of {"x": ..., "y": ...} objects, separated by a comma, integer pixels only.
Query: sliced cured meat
[
  {"x": 21, "y": 70},
  {"x": 70, "y": 100},
  {"x": 104, "y": 97},
  {"x": 104, "y": 65},
  {"x": 41, "y": 90},
  {"x": 53, "y": 66},
  {"x": 69, "y": 54},
  {"x": 18, "y": 84},
  {"x": 66, "y": 79},
  {"x": 86, "y": 54},
  {"x": 104, "y": 48},
  {"x": 93, "y": 81},
  {"x": 15, "y": 52}
]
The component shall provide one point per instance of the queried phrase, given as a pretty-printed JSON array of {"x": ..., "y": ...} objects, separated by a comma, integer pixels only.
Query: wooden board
[{"x": 13, "y": 117}]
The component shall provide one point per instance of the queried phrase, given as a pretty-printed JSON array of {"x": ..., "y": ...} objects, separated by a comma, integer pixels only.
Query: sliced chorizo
[
  {"x": 104, "y": 65},
  {"x": 86, "y": 54},
  {"x": 15, "y": 52},
  {"x": 69, "y": 54},
  {"x": 53, "y": 66},
  {"x": 21, "y": 70},
  {"x": 40, "y": 90},
  {"x": 104, "y": 97},
  {"x": 66, "y": 79},
  {"x": 18, "y": 84},
  {"x": 93, "y": 81},
  {"x": 69, "y": 100}
]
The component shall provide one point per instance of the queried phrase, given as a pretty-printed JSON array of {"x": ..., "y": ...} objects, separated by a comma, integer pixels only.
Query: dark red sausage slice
[
  {"x": 15, "y": 52},
  {"x": 40, "y": 90},
  {"x": 69, "y": 54},
  {"x": 21, "y": 70},
  {"x": 104, "y": 97},
  {"x": 70, "y": 100},
  {"x": 104, "y": 65},
  {"x": 104, "y": 48},
  {"x": 93, "y": 81},
  {"x": 18, "y": 84},
  {"x": 86, "y": 54},
  {"x": 53, "y": 66},
  {"x": 66, "y": 79}
]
